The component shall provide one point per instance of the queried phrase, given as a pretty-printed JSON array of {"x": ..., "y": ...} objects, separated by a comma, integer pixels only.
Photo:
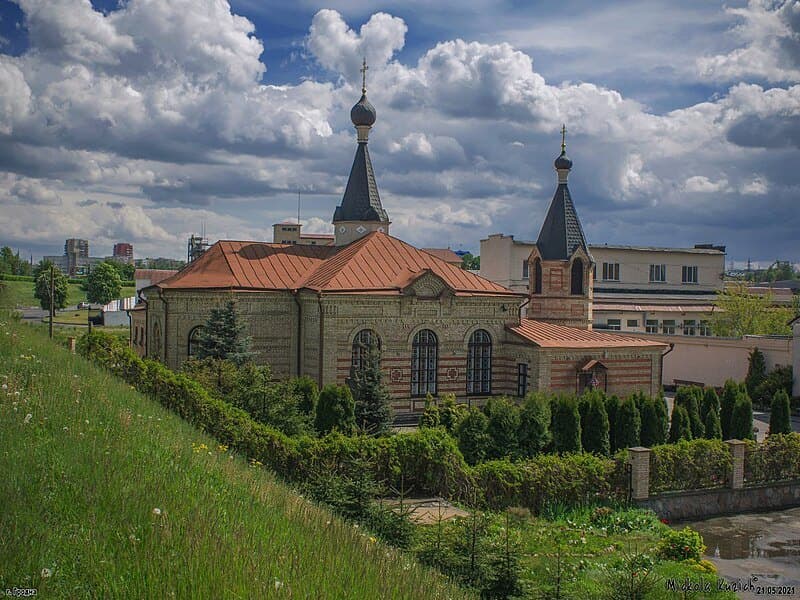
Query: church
[{"x": 314, "y": 309}]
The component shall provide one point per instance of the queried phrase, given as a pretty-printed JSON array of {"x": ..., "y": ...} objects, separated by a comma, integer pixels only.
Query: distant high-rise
[
  {"x": 123, "y": 252},
  {"x": 75, "y": 249}
]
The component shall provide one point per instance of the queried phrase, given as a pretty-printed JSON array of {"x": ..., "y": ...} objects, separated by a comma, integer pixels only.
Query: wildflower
[
  {"x": 222, "y": 448},
  {"x": 278, "y": 585},
  {"x": 157, "y": 512},
  {"x": 86, "y": 421},
  {"x": 46, "y": 573},
  {"x": 373, "y": 540},
  {"x": 28, "y": 418}
]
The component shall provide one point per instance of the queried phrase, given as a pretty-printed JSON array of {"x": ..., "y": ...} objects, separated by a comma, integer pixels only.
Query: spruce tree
[
  {"x": 595, "y": 436},
  {"x": 335, "y": 410},
  {"x": 680, "y": 428},
  {"x": 222, "y": 337},
  {"x": 629, "y": 424},
  {"x": 779, "y": 417},
  {"x": 727, "y": 402},
  {"x": 372, "y": 409},
  {"x": 534, "y": 424},
  {"x": 653, "y": 432},
  {"x": 430, "y": 416},
  {"x": 756, "y": 373},
  {"x": 473, "y": 436},
  {"x": 742, "y": 419},
  {"x": 503, "y": 427},
  {"x": 713, "y": 429},
  {"x": 689, "y": 397},
  {"x": 566, "y": 424}
]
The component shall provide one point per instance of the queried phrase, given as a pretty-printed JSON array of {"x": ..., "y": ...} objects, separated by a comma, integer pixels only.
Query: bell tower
[
  {"x": 361, "y": 211},
  {"x": 560, "y": 268}
]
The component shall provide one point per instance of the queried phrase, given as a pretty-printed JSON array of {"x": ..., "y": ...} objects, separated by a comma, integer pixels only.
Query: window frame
[
  {"x": 191, "y": 341},
  {"x": 656, "y": 271},
  {"x": 424, "y": 363},
  {"x": 522, "y": 379},
  {"x": 665, "y": 324},
  {"x": 360, "y": 348},
  {"x": 479, "y": 363},
  {"x": 651, "y": 325},
  {"x": 614, "y": 324},
  {"x": 610, "y": 271},
  {"x": 687, "y": 271}
]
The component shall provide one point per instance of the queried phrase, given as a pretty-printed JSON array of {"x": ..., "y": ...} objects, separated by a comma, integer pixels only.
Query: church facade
[{"x": 313, "y": 309}]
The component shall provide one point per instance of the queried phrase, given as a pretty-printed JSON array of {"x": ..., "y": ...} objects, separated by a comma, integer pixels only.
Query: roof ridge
[{"x": 343, "y": 255}]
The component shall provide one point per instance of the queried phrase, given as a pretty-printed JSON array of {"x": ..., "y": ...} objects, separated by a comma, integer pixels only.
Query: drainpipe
[
  {"x": 166, "y": 321},
  {"x": 299, "y": 330},
  {"x": 321, "y": 340},
  {"x": 661, "y": 374},
  {"x": 521, "y": 306}
]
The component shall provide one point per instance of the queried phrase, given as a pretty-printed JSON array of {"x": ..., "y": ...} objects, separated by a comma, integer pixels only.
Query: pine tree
[
  {"x": 742, "y": 419},
  {"x": 713, "y": 429},
  {"x": 595, "y": 437},
  {"x": 629, "y": 425},
  {"x": 727, "y": 402},
  {"x": 756, "y": 372},
  {"x": 473, "y": 435},
  {"x": 372, "y": 409},
  {"x": 430, "y": 416},
  {"x": 335, "y": 410},
  {"x": 503, "y": 427},
  {"x": 566, "y": 424},
  {"x": 652, "y": 423},
  {"x": 779, "y": 417},
  {"x": 222, "y": 337},
  {"x": 534, "y": 424},
  {"x": 680, "y": 428}
]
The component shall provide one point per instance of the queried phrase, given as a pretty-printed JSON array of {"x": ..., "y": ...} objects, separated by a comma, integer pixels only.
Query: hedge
[
  {"x": 776, "y": 459},
  {"x": 689, "y": 465}
]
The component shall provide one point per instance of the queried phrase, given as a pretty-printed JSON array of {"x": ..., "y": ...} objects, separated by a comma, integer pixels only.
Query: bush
[
  {"x": 686, "y": 544},
  {"x": 777, "y": 459},
  {"x": 680, "y": 428},
  {"x": 742, "y": 419},
  {"x": 307, "y": 391},
  {"x": 534, "y": 425},
  {"x": 688, "y": 465},
  {"x": 713, "y": 429},
  {"x": 756, "y": 372},
  {"x": 595, "y": 436},
  {"x": 729, "y": 393},
  {"x": 429, "y": 416},
  {"x": 502, "y": 428},
  {"x": 780, "y": 378},
  {"x": 472, "y": 433},
  {"x": 566, "y": 424},
  {"x": 450, "y": 412},
  {"x": 690, "y": 397},
  {"x": 652, "y": 423},
  {"x": 780, "y": 417},
  {"x": 335, "y": 410},
  {"x": 629, "y": 424}
]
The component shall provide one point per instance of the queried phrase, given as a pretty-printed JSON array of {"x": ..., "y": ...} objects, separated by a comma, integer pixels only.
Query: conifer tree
[
  {"x": 742, "y": 418},
  {"x": 503, "y": 427},
  {"x": 372, "y": 410},
  {"x": 473, "y": 435},
  {"x": 710, "y": 402},
  {"x": 335, "y": 410},
  {"x": 612, "y": 406},
  {"x": 534, "y": 424},
  {"x": 680, "y": 428},
  {"x": 430, "y": 416},
  {"x": 566, "y": 424},
  {"x": 652, "y": 424},
  {"x": 663, "y": 414},
  {"x": 222, "y": 337},
  {"x": 629, "y": 424},
  {"x": 756, "y": 372},
  {"x": 595, "y": 436},
  {"x": 713, "y": 429},
  {"x": 450, "y": 412},
  {"x": 308, "y": 392},
  {"x": 689, "y": 397},
  {"x": 727, "y": 402},
  {"x": 779, "y": 417}
]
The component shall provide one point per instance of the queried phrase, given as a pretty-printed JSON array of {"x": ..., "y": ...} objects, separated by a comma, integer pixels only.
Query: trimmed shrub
[
  {"x": 335, "y": 410},
  {"x": 713, "y": 429},
  {"x": 689, "y": 465},
  {"x": 595, "y": 434},
  {"x": 686, "y": 544},
  {"x": 742, "y": 419},
  {"x": 473, "y": 435},
  {"x": 566, "y": 424},
  {"x": 653, "y": 432},
  {"x": 728, "y": 400},
  {"x": 779, "y": 417},
  {"x": 689, "y": 397},
  {"x": 534, "y": 425},
  {"x": 778, "y": 459},
  {"x": 503, "y": 427},
  {"x": 629, "y": 425},
  {"x": 680, "y": 428}
]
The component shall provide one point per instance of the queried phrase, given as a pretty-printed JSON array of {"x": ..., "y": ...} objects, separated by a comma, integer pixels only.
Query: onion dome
[
  {"x": 363, "y": 113},
  {"x": 563, "y": 162}
]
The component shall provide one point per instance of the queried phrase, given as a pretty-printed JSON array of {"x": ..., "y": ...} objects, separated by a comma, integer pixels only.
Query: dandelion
[
  {"x": 157, "y": 512},
  {"x": 28, "y": 418},
  {"x": 46, "y": 573},
  {"x": 222, "y": 448}
]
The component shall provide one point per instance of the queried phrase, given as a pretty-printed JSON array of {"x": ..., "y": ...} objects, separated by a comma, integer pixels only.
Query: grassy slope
[
  {"x": 82, "y": 477},
  {"x": 20, "y": 293}
]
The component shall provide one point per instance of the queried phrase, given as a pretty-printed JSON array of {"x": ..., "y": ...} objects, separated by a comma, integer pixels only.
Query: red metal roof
[
  {"x": 376, "y": 262},
  {"x": 445, "y": 254},
  {"x": 153, "y": 275},
  {"x": 549, "y": 335}
]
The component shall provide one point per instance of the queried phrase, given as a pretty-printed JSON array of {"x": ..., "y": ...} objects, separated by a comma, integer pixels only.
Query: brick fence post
[
  {"x": 737, "y": 448},
  {"x": 639, "y": 459}
]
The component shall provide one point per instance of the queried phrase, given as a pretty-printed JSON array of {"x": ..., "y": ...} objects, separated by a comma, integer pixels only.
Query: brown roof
[
  {"x": 445, "y": 254},
  {"x": 321, "y": 236},
  {"x": 376, "y": 262},
  {"x": 153, "y": 275},
  {"x": 548, "y": 335}
]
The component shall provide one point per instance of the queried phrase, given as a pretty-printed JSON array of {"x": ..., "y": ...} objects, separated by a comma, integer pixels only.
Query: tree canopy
[
  {"x": 740, "y": 313},
  {"x": 103, "y": 284},
  {"x": 42, "y": 288},
  {"x": 223, "y": 338}
]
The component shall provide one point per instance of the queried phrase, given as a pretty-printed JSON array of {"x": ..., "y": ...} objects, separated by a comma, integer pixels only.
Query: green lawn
[
  {"x": 106, "y": 494},
  {"x": 20, "y": 293}
]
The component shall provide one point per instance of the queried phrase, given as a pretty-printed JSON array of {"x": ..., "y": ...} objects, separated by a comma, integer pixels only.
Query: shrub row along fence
[{"x": 427, "y": 462}]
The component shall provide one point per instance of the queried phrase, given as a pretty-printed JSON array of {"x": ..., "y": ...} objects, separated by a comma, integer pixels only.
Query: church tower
[
  {"x": 360, "y": 211},
  {"x": 560, "y": 266}
]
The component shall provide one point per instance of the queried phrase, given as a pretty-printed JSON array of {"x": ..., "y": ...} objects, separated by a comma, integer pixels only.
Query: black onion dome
[
  {"x": 363, "y": 113},
  {"x": 563, "y": 161}
]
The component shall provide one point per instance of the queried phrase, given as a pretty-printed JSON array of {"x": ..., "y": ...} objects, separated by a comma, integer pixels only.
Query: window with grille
[
  {"x": 424, "y": 363},
  {"x": 522, "y": 379},
  {"x": 479, "y": 363},
  {"x": 633, "y": 322},
  {"x": 194, "y": 340},
  {"x": 365, "y": 343},
  {"x": 651, "y": 326},
  {"x": 668, "y": 327}
]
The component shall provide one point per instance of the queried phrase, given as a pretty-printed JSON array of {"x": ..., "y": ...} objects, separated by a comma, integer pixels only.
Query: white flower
[
  {"x": 46, "y": 573},
  {"x": 157, "y": 512},
  {"x": 28, "y": 418},
  {"x": 87, "y": 421},
  {"x": 278, "y": 584}
]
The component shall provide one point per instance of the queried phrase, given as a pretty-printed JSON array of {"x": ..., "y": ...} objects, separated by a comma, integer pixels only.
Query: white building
[{"x": 638, "y": 289}]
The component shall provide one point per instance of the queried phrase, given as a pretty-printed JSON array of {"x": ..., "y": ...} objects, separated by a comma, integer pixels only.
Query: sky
[{"x": 147, "y": 120}]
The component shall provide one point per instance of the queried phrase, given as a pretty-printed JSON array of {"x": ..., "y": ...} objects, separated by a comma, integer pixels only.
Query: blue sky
[{"x": 141, "y": 120}]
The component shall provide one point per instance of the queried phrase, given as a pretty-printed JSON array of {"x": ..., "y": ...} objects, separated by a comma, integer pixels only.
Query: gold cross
[
  {"x": 363, "y": 70},
  {"x": 563, "y": 138}
]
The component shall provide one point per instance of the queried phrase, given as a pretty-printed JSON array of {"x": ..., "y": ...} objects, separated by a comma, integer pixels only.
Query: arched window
[
  {"x": 424, "y": 363},
  {"x": 537, "y": 276},
  {"x": 479, "y": 363},
  {"x": 365, "y": 343},
  {"x": 194, "y": 340},
  {"x": 577, "y": 277}
]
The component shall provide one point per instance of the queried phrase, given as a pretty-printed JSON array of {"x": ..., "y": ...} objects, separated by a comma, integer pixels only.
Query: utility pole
[{"x": 52, "y": 298}]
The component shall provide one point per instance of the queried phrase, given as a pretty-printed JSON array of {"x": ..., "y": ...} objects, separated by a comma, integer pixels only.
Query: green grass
[
  {"x": 84, "y": 473},
  {"x": 20, "y": 293}
]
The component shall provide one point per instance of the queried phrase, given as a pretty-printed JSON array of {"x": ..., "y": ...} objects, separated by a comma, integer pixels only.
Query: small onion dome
[
  {"x": 363, "y": 113},
  {"x": 563, "y": 162}
]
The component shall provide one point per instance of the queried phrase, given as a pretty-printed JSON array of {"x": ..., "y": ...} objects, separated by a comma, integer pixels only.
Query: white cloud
[
  {"x": 702, "y": 184},
  {"x": 758, "y": 186}
]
